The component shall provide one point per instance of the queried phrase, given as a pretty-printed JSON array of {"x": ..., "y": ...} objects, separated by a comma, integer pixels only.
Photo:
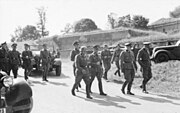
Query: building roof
[{"x": 164, "y": 21}]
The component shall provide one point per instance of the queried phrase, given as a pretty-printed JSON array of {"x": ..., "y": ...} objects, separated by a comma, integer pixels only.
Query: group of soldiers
[
  {"x": 87, "y": 67},
  {"x": 13, "y": 59}
]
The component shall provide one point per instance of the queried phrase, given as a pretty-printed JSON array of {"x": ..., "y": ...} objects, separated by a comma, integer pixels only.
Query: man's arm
[
  {"x": 113, "y": 56},
  {"x": 72, "y": 55},
  {"x": 77, "y": 62},
  {"x": 139, "y": 57},
  {"x": 122, "y": 61}
]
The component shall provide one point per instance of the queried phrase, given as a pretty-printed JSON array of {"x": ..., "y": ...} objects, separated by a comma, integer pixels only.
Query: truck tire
[
  {"x": 162, "y": 57},
  {"x": 58, "y": 70}
]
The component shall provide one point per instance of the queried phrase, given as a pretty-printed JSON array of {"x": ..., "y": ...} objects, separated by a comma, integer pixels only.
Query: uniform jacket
[
  {"x": 81, "y": 61},
  {"x": 27, "y": 56},
  {"x": 106, "y": 55},
  {"x": 3, "y": 55},
  {"x": 45, "y": 56},
  {"x": 95, "y": 60},
  {"x": 14, "y": 57},
  {"x": 127, "y": 60},
  {"x": 74, "y": 53},
  {"x": 143, "y": 58},
  {"x": 116, "y": 55}
]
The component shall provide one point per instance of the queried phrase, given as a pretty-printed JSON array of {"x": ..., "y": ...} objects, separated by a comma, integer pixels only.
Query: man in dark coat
[
  {"x": 143, "y": 58},
  {"x": 82, "y": 72},
  {"x": 128, "y": 67},
  {"x": 27, "y": 57},
  {"x": 4, "y": 60},
  {"x": 96, "y": 69},
  {"x": 14, "y": 60},
  {"x": 73, "y": 54},
  {"x": 45, "y": 56},
  {"x": 115, "y": 57},
  {"x": 106, "y": 59}
]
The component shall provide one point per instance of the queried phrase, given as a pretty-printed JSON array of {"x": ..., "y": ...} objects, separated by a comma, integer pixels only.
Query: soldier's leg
[
  {"x": 44, "y": 72},
  {"x": 15, "y": 70},
  {"x": 100, "y": 84},
  {"x": 131, "y": 78},
  {"x": 25, "y": 73},
  {"x": 127, "y": 80},
  {"x": 87, "y": 82},
  {"x": 92, "y": 74},
  {"x": 105, "y": 70},
  {"x": 145, "y": 78},
  {"x": 78, "y": 79}
]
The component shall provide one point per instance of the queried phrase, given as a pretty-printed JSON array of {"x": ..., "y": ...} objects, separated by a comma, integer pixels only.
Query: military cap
[
  {"x": 3, "y": 43},
  {"x": 14, "y": 45},
  {"x": 26, "y": 45},
  {"x": 127, "y": 44},
  {"x": 76, "y": 43},
  {"x": 146, "y": 43},
  {"x": 96, "y": 46},
  {"x": 82, "y": 48}
]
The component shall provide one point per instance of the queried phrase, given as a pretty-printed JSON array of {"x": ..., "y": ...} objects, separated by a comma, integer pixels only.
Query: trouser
[
  {"x": 96, "y": 73},
  {"x": 45, "y": 71},
  {"x": 147, "y": 75},
  {"x": 129, "y": 75},
  {"x": 78, "y": 78},
  {"x": 74, "y": 72},
  {"x": 14, "y": 69},
  {"x": 118, "y": 68},
  {"x": 107, "y": 66}
]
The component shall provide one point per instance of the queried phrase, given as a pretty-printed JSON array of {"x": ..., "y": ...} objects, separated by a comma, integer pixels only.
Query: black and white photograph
[{"x": 89, "y": 56}]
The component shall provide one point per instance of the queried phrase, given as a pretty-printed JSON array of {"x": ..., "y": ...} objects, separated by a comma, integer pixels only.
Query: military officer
[
  {"x": 106, "y": 59},
  {"x": 27, "y": 57},
  {"x": 143, "y": 58},
  {"x": 46, "y": 60},
  {"x": 115, "y": 57},
  {"x": 73, "y": 53},
  {"x": 4, "y": 60},
  {"x": 96, "y": 69},
  {"x": 82, "y": 72},
  {"x": 128, "y": 67},
  {"x": 14, "y": 60}
]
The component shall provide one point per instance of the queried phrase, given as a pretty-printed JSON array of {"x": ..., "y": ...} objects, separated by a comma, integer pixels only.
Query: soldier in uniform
[
  {"x": 143, "y": 58},
  {"x": 14, "y": 60},
  {"x": 26, "y": 57},
  {"x": 45, "y": 56},
  {"x": 106, "y": 59},
  {"x": 4, "y": 60},
  {"x": 96, "y": 69},
  {"x": 82, "y": 72},
  {"x": 115, "y": 58},
  {"x": 128, "y": 67},
  {"x": 73, "y": 53}
]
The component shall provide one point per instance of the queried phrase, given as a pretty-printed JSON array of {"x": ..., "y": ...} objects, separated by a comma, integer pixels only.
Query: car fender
[
  {"x": 19, "y": 91},
  {"x": 57, "y": 61},
  {"x": 163, "y": 51}
]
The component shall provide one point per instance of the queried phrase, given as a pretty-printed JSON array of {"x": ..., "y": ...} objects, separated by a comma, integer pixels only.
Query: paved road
[{"x": 55, "y": 97}]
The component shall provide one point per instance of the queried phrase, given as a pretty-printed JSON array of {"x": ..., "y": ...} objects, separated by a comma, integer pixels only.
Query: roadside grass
[{"x": 165, "y": 80}]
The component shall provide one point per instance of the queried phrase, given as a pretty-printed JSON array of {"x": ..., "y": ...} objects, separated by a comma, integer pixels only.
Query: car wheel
[
  {"x": 162, "y": 57},
  {"x": 58, "y": 70}
]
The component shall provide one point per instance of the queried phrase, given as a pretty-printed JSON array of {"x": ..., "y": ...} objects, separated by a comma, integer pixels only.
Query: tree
[
  {"x": 17, "y": 34},
  {"x": 124, "y": 21},
  {"x": 67, "y": 29},
  {"x": 175, "y": 13},
  {"x": 112, "y": 20},
  {"x": 42, "y": 22},
  {"x": 85, "y": 25},
  {"x": 140, "y": 22},
  {"x": 27, "y": 33}
]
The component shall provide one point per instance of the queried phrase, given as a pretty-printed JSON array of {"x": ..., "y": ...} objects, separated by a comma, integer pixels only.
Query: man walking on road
[
  {"x": 96, "y": 69},
  {"x": 106, "y": 59},
  {"x": 14, "y": 60},
  {"x": 46, "y": 60},
  {"x": 73, "y": 55},
  {"x": 26, "y": 57},
  {"x": 128, "y": 67},
  {"x": 82, "y": 71},
  {"x": 143, "y": 58},
  {"x": 115, "y": 57}
]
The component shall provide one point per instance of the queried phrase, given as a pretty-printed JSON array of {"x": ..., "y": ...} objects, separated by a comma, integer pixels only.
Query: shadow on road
[
  {"x": 58, "y": 83},
  {"x": 155, "y": 99}
]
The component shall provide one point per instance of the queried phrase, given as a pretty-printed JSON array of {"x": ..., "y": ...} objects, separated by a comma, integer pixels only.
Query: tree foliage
[
  {"x": 67, "y": 29},
  {"x": 175, "y": 13},
  {"x": 42, "y": 22},
  {"x": 29, "y": 32},
  {"x": 140, "y": 22},
  {"x": 137, "y": 21},
  {"x": 85, "y": 25}
]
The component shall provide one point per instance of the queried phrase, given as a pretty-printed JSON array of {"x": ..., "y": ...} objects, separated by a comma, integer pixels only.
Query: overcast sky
[{"x": 15, "y": 13}]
